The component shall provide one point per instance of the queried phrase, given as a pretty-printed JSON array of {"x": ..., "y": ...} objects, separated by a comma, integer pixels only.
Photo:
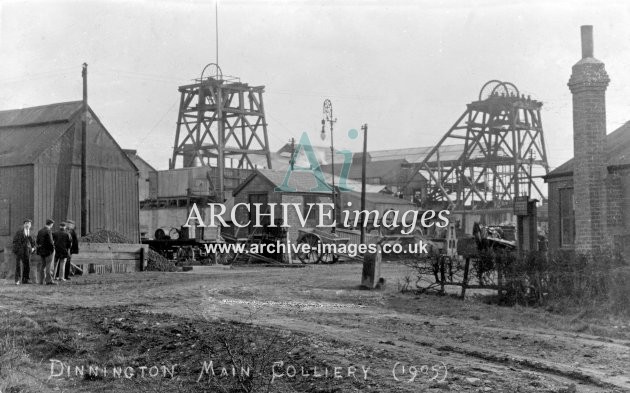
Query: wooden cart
[{"x": 316, "y": 238}]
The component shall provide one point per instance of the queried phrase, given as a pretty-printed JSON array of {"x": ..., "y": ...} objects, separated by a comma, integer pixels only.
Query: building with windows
[{"x": 589, "y": 195}]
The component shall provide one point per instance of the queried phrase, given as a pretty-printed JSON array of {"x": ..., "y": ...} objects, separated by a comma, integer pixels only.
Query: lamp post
[{"x": 328, "y": 117}]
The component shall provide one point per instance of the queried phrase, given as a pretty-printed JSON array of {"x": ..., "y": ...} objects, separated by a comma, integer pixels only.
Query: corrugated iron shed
[{"x": 40, "y": 169}]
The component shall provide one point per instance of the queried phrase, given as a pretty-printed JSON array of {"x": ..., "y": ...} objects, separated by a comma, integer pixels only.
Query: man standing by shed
[
  {"x": 74, "y": 249},
  {"x": 63, "y": 242},
  {"x": 46, "y": 250},
  {"x": 23, "y": 247}
]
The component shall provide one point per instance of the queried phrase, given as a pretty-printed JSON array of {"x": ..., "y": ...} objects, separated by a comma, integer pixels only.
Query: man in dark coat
[
  {"x": 23, "y": 247},
  {"x": 74, "y": 249},
  {"x": 63, "y": 242},
  {"x": 46, "y": 250}
]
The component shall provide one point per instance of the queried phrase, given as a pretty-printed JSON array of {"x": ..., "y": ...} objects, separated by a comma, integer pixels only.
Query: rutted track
[
  {"x": 450, "y": 352},
  {"x": 486, "y": 348}
]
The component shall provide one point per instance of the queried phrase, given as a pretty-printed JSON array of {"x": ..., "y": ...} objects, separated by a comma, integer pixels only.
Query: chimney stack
[
  {"x": 587, "y": 41},
  {"x": 588, "y": 84}
]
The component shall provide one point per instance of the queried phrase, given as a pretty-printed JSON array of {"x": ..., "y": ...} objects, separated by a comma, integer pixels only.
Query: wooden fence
[{"x": 102, "y": 258}]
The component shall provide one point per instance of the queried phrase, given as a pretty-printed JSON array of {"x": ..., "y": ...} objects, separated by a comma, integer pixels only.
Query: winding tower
[
  {"x": 221, "y": 124},
  {"x": 494, "y": 152}
]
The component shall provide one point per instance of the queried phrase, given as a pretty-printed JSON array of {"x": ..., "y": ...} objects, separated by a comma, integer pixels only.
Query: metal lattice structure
[
  {"x": 494, "y": 152},
  {"x": 221, "y": 124}
]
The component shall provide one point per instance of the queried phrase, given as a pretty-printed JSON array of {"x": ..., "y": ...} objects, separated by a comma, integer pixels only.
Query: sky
[{"x": 406, "y": 68}]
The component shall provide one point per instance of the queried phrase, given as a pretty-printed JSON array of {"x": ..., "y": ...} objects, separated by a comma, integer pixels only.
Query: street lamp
[{"x": 328, "y": 117}]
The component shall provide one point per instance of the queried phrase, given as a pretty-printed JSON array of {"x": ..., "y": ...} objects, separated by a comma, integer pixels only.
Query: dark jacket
[
  {"x": 74, "y": 249},
  {"x": 63, "y": 242},
  {"x": 22, "y": 244},
  {"x": 45, "y": 243}
]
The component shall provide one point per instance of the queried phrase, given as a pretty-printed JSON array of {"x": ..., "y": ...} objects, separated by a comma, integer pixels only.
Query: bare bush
[{"x": 563, "y": 277}]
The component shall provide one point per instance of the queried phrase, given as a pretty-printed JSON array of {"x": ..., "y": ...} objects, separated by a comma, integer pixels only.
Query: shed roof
[
  {"x": 352, "y": 185},
  {"x": 415, "y": 155},
  {"x": 304, "y": 181},
  {"x": 28, "y": 133},
  {"x": 617, "y": 153},
  {"x": 43, "y": 114},
  {"x": 139, "y": 161},
  {"x": 301, "y": 181},
  {"x": 372, "y": 168},
  {"x": 381, "y": 198},
  {"x": 22, "y": 145}
]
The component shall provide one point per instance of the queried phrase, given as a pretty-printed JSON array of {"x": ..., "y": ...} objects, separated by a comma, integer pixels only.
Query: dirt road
[{"x": 335, "y": 337}]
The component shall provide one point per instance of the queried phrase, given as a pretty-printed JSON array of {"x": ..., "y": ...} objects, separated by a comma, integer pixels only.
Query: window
[{"x": 567, "y": 217}]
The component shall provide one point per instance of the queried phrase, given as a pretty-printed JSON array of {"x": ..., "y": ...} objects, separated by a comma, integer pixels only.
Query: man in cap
[
  {"x": 63, "y": 241},
  {"x": 74, "y": 248},
  {"x": 46, "y": 250},
  {"x": 23, "y": 247}
]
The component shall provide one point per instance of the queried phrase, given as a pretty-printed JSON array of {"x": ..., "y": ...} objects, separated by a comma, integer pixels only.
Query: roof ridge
[
  {"x": 617, "y": 152},
  {"x": 39, "y": 115},
  {"x": 41, "y": 106}
]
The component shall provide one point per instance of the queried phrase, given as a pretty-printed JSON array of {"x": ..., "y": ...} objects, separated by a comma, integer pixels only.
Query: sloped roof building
[{"x": 40, "y": 171}]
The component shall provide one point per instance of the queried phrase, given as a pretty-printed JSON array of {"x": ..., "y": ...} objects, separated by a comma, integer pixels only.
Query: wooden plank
[
  {"x": 108, "y": 263},
  {"x": 109, "y": 255},
  {"x": 103, "y": 260},
  {"x": 115, "y": 247}
]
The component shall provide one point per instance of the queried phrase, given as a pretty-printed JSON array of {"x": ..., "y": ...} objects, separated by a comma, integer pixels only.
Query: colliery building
[
  {"x": 589, "y": 195},
  {"x": 395, "y": 173},
  {"x": 40, "y": 172}
]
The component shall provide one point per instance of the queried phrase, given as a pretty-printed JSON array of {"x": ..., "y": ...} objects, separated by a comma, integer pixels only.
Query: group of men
[{"x": 55, "y": 250}]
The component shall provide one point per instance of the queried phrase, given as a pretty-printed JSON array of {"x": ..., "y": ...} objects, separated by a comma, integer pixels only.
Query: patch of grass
[
  {"x": 13, "y": 358},
  {"x": 121, "y": 336}
]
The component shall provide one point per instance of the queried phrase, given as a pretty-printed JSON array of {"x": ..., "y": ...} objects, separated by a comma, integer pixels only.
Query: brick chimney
[{"x": 588, "y": 84}]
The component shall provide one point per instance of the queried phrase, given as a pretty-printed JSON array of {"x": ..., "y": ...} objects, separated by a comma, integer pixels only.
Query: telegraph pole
[
  {"x": 364, "y": 128},
  {"x": 84, "y": 114},
  {"x": 292, "y": 159}
]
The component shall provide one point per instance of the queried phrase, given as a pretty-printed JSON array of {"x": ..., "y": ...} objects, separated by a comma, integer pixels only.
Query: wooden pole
[
  {"x": 363, "y": 178},
  {"x": 465, "y": 281},
  {"x": 332, "y": 164},
  {"x": 221, "y": 142},
  {"x": 84, "y": 111}
]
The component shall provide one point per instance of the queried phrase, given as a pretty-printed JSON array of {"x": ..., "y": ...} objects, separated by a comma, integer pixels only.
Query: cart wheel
[{"x": 313, "y": 256}]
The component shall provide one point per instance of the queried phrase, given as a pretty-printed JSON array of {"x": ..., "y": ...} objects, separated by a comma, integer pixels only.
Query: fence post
[
  {"x": 442, "y": 274},
  {"x": 465, "y": 281}
]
